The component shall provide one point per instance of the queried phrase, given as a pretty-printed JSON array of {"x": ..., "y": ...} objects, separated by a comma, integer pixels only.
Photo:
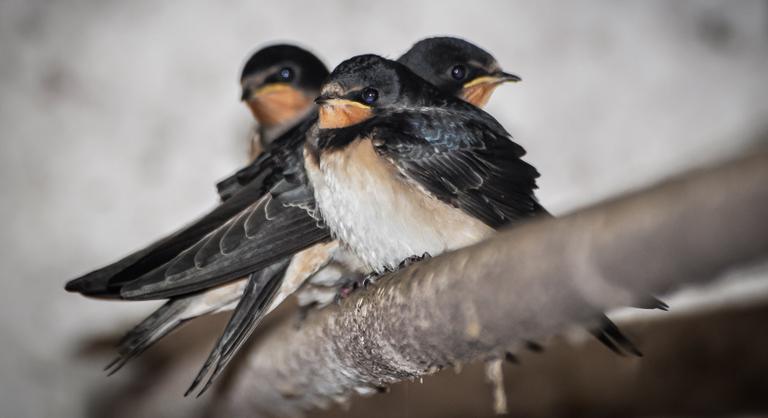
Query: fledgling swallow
[
  {"x": 457, "y": 67},
  {"x": 399, "y": 168},
  {"x": 273, "y": 93},
  {"x": 279, "y": 83}
]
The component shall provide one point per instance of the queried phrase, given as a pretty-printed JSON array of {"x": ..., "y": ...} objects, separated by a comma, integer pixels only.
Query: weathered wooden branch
[{"x": 524, "y": 284}]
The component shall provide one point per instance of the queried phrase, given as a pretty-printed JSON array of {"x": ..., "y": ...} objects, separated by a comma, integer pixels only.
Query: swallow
[
  {"x": 279, "y": 84},
  {"x": 399, "y": 168},
  {"x": 274, "y": 81},
  {"x": 457, "y": 68}
]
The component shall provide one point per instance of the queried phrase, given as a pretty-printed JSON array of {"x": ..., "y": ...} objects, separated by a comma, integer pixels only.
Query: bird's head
[
  {"x": 278, "y": 83},
  {"x": 457, "y": 67},
  {"x": 360, "y": 86}
]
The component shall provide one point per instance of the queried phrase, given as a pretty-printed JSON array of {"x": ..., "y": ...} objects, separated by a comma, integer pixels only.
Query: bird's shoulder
[
  {"x": 462, "y": 156},
  {"x": 449, "y": 126}
]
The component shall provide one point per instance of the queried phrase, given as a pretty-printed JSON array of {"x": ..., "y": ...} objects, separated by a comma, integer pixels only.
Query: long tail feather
[
  {"x": 160, "y": 323},
  {"x": 611, "y": 336},
  {"x": 261, "y": 289}
]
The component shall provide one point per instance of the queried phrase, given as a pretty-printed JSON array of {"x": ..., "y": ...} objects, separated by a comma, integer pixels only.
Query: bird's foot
[
  {"x": 413, "y": 259},
  {"x": 353, "y": 283}
]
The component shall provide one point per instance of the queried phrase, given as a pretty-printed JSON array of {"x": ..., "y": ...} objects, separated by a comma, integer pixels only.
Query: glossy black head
[
  {"x": 279, "y": 83},
  {"x": 457, "y": 67},
  {"x": 361, "y": 85},
  {"x": 282, "y": 65}
]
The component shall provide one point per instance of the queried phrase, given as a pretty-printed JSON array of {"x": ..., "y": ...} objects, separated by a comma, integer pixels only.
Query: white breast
[{"x": 381, "y": 216}]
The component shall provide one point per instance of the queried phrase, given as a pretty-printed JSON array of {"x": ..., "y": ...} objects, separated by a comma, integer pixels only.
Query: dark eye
[
  {"x": 458, "y": 72},
  {"x": 369, "y": 95},
  {"x": 285, "y": 74}
]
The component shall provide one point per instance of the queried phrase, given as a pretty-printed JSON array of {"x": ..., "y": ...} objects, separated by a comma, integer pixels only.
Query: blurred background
[{"x": 117, "y": 118}]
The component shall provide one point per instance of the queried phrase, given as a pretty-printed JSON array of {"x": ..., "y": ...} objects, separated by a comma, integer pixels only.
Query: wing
[
  {"x": 462, "y": 156},
  {"x": 256, "y": 171},
  {"x": 281, "y": 152},
  {"x": 611, "y": 336},
  {"x": 107, "y": 281},
  {"x": 279, "y": 225},
  {"x": 268, "y": 170},
  {"x": 160, "y": 323},
  {"x": 252, "y": 307}
]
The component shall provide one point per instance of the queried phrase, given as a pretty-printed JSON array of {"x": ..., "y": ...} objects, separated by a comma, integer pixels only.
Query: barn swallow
[
  {"x": 273, "y": 81},
  {"x": 278, "y": 84},
  {"x": 399, "y": 168},
  {"x": 457, "y": 67}
]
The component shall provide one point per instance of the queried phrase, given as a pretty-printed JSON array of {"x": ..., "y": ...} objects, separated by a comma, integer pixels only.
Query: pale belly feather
[{"x": 381, "y": 216}]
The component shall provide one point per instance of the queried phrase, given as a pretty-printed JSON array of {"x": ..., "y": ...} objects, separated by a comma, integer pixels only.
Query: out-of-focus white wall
[{"x": 116, "y": 118}]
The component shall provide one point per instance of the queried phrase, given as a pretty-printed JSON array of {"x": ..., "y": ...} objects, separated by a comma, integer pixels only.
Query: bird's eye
[
  {"x": 285, "y": 74},
  {"x": 369, "y": 95},
  {"x": 458, "y": 72}
]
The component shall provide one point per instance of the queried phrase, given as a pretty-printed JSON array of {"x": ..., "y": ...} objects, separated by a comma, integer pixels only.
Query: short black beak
[
  {"x": 504, "y": 77},
  {"x": 321, "y": 100}
]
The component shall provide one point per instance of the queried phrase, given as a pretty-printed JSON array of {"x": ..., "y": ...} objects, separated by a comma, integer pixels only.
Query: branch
[{"x": 527, "y": 283}]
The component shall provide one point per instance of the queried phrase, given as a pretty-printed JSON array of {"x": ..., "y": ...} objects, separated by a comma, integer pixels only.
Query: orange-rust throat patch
[
  {"x": 339, "y": 113},
  {"x": 274, "y": 107},
  {"x": 479, "y": 94}
]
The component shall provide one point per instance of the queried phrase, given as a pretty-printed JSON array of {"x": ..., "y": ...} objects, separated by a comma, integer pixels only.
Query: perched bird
[
  {"x": 457, "y": 67},
  {"x": 463, "y": 66},
  {"x": 399, "y": 168},
  {"x": 279, "y": 84}
]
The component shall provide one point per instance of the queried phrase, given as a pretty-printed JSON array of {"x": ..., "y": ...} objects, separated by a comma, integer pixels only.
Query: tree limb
[{"x": 523, "y": 284}]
